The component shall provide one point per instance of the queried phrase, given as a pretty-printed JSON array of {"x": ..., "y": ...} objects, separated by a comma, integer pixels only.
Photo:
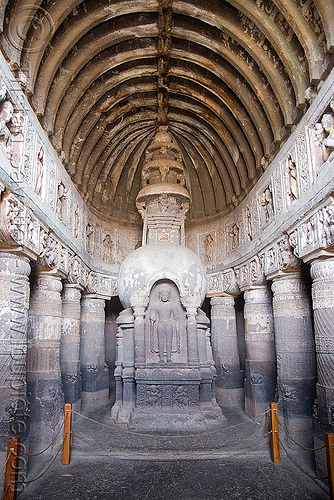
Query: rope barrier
[
  {"x": 296, "y": 442},
  {"x": 299, "y": 467},
  {"x": 5, "y": 464},
  {"x": 163, "y": 455},
  {"x": 48, "y": 446},
  {"x": 171, "y": 436},
  {"x": 44, "y": 472},
  {"x": 6, "y": 491}
]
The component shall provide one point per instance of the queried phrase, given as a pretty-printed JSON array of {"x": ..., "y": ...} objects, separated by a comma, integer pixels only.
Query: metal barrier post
[
  {"x": 11, "y": 474},
  {"x": 275, "y": 451},
  {"x": 329, "y": 440},
  {"x": 67, "y": 434}
]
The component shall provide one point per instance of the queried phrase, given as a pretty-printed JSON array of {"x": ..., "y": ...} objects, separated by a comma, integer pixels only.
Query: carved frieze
[
  {"x": 224, "y": 282},
  {"x": 314, "y": 233},
  {"x": 250, "y": 273}
]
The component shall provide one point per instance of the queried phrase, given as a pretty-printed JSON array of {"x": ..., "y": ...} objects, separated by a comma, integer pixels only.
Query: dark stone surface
[
  {"x": 110, "y": 462},
  {"x": 254, "y": 478}
]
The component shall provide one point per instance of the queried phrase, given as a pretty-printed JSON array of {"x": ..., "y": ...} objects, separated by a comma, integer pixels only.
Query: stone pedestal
[
  {"x": 70, "y": 345},
  {"x": 94, "y": 370},
  {"x": 165, "y": 371},
  {"x": 260, "y": 364},
  {"x": 14, "y": 304},
  {"x": 43, "y": 367},
  {"x": 322, "y": 272},
  {"x": 229, "y": 381},
  {"x": 296, "y": 370}
]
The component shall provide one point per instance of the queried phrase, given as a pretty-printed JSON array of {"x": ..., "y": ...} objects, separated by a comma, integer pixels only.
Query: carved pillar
[
  {"x": 229, "y": 381},
  {"x": 43, "y": 368},
  {"x": 94, "y": 371},
  {"x": 70, "y": 345},
  {"x": 14, "y": 304},
  {"x": 295, "y": 352},
  {"x": 322, "y": 272},
  {"x": 192, "y": 336},
  {"x": 260, "y": 364},
  {"x": 139, "y": 333},
  {"x": 125, "y": 369}
]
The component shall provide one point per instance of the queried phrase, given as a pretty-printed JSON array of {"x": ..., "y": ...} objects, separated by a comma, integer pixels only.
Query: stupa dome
[{"x": 150, "y": 263}]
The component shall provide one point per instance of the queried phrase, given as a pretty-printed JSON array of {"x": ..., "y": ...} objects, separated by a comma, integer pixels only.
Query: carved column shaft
[
  {"x": 295, "y": 352},
  {"x": 229, "y": 381},
  {"x": 322, "y": 272},
  {"x": 139, "y": 335},
  {"x": 193, "y": 358},
  {"x": 43, "y": 368},
  {"x": 260, "y": 362},
  {"x": 94, "y": 371},
  {"x": 125, "y": 369},
  {"x": 70, "y": 345},
  {"x": 14, "y": 304}
]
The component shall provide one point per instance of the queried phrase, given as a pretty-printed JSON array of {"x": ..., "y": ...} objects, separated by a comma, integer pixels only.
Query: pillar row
[
  {"x": 229, "y": 381},
  {"x": 43, "y": 367},
  {"x": 260, "y": 364},
  {"x": 322, "y": 273},
  {"x": 70, "y": 345},
  {"x": 94, "y": 370},
  {"x": 14, "y": 304},
  {"x": 296, "y": 370}
]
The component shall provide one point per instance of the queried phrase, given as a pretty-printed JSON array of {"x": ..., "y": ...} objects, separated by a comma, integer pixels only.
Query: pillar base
[
  {"x": 231, "y": 397},
  {"x": 95, "y": 398}
]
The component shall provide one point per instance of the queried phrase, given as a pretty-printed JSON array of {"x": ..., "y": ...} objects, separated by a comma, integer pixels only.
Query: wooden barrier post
[
  {"x": 67, "y": 434},
  {"x": 275, "y": 452},
  {"x": 329, "y": 440},
  {"x": 11, "y": 474}
]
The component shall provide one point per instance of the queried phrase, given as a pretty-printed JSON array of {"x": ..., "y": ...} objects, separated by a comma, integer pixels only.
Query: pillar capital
[
  {"x": 322, "y": 269},
  {"x": 14, "y": 263},
  {"x": 290, "y": 284}
]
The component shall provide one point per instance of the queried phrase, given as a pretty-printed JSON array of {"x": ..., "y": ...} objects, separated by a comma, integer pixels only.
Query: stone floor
[{"x": 233, "y": 463}]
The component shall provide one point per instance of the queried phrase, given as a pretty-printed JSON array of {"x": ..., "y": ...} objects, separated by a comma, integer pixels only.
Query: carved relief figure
[
  {"x": 328, "y": 125},
  {"x": 292, "y": 175},
  {"x": 76, "y": 221},
  {"x": 326, "y": 217},
  {"x": 208, "y": 245},
  {"x": 16, "y": 141},
  {"x": 249, "y": 230},
  {"x": 234, "y": 233},
  {"x": 62, "y": 201},
  {"x": 107, "y": 247},
  {"x": 3, "y": 90},
  {"x": 39, "y": 172},
  {"x": 164, "y": 324},
  {"x": 89, "y": 237},
  {"x": 267, "y": 204},
  {"x": 6, "y": 113},
  {"x": 324, "y": 135}
]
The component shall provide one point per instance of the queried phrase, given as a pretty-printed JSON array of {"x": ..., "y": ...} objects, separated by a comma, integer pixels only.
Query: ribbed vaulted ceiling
[{"x": 227, "y": 77}]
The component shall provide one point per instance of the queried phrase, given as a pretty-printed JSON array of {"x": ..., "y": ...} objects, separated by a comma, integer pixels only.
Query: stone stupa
[{"x": 164, "y": 368}]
